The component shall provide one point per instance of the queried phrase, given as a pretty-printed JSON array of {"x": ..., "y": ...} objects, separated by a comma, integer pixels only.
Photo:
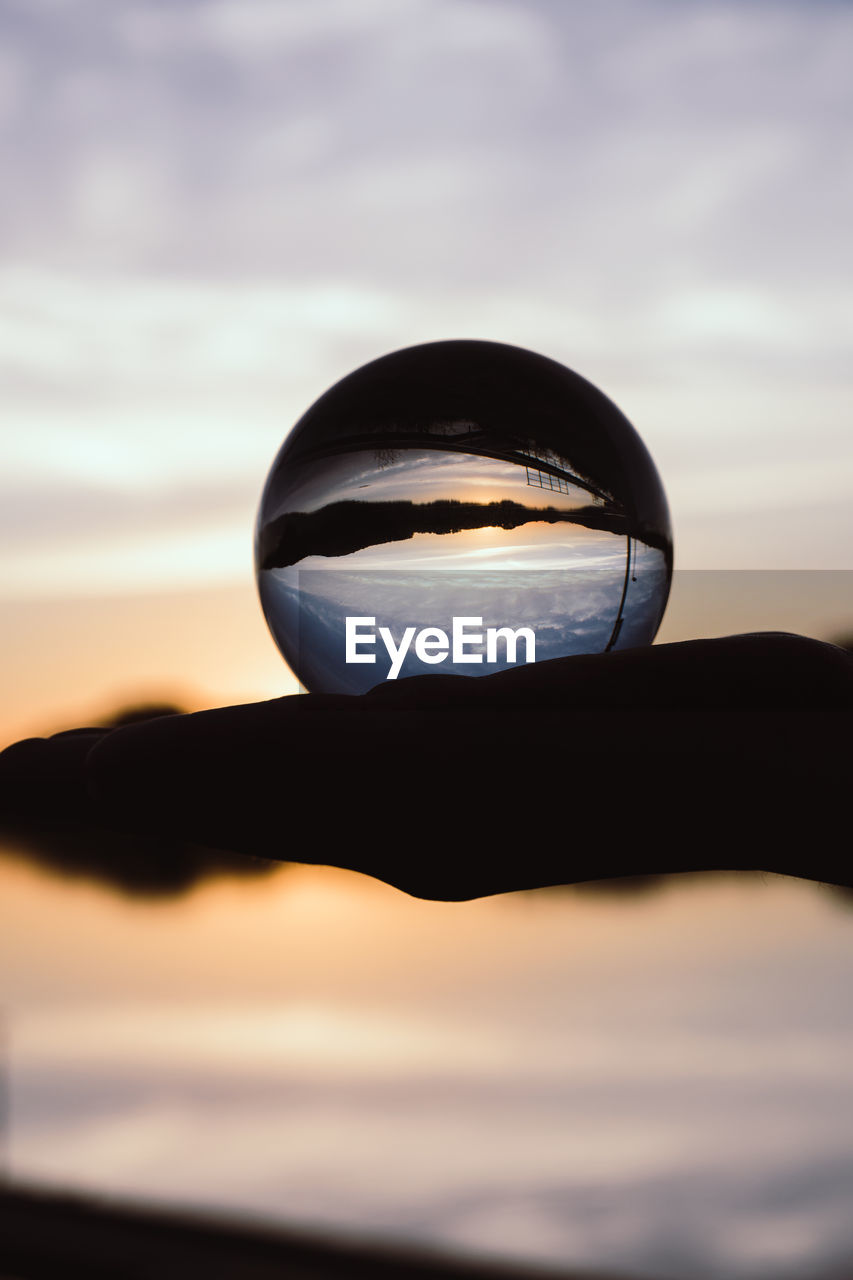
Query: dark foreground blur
[{"x": 51, "y": 1237}]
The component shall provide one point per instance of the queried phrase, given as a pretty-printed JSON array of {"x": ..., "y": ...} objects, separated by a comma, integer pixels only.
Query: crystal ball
[{"x": 459, "y": 507}]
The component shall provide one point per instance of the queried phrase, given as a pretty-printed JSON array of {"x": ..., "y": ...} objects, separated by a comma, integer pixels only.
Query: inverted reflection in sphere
[{"x": 459, "y": 480}]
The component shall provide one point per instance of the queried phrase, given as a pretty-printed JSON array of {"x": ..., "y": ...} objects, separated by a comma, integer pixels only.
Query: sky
[
  {"x": 657, "y": 1084},
  {"x": 211, "y": 211},
  {"x": 214, "y": 209}
]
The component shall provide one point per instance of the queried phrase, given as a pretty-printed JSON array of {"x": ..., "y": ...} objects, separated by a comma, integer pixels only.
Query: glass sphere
[{"x": 459, "y": 507}]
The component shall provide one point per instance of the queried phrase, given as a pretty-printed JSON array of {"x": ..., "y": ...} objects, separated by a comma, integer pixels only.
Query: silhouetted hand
[{"x": 712, "y": 754}]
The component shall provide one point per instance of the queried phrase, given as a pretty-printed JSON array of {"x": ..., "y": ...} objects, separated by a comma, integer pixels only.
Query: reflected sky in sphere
[{"x": 460, "y": 479}]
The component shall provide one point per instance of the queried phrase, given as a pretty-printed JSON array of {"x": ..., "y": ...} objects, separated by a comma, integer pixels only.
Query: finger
[
  {"x": 47, "y": 776},
  {"x": 449, "y": 799},
  {"x": 773, "y": 671},
  {"x": 452, "y": 787}
]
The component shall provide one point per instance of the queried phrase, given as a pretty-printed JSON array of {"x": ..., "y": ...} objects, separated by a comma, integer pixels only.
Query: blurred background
[{"x": 211, "y": 211}]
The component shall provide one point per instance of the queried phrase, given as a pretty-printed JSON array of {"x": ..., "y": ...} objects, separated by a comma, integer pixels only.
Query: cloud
[
  {"x": 213, "y": 210},
  {"x": 706, "y": 1150},
  {"x": 568, "y": 594},
  {"x": 534, "y": 142}
]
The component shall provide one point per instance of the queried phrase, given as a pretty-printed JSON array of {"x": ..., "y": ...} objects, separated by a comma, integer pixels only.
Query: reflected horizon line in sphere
[{"x": 460, "y": 478}]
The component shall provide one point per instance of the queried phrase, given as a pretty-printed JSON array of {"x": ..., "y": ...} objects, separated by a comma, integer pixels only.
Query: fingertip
[{"x": 46, "y": 776}]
